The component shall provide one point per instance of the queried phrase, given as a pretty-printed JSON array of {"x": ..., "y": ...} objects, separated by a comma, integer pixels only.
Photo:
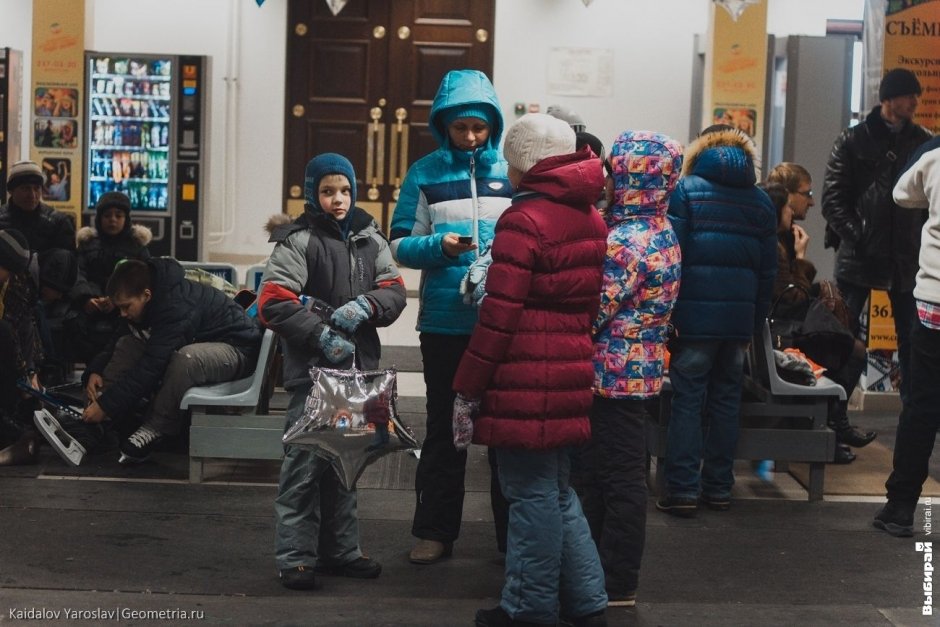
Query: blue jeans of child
[
  {"x": 706, "y": 380},
  {"x": 919, "y": 421},
  {"x": 551, "y": 560},
  {"x": 315, "y": 516}
]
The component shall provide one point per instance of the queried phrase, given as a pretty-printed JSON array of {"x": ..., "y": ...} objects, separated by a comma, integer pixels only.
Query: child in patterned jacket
[{"x": 641, "y": 283}]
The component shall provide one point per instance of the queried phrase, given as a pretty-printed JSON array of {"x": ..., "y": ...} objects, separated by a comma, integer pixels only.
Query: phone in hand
[{"x": 465, "y": 239}]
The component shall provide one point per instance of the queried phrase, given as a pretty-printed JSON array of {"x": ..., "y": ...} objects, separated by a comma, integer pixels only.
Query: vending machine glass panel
[{"x": 130, "y": 129}]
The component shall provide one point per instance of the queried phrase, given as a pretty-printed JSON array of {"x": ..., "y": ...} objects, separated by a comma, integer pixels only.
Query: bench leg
[
  {"x": 817, "y": 476},
  {"x": 195, "y": 469}
]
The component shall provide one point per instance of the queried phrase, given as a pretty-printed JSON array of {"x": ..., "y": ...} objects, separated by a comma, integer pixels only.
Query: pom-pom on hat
[
  {"x": 58, "y": 269},
  {"x": 534, "y": 137},
  {"x": 24, "y": 172},
  {"x": 322, "y": 165},
  {"x": 898, "y": 82},
  {"x": 14, "y": 250}
]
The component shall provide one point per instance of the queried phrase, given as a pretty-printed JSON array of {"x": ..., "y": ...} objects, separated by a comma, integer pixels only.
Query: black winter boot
[{"x": 846, "y": 433}]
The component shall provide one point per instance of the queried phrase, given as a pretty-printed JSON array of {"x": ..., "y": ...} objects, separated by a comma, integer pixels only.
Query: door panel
[{"x": 361, "y": 84}]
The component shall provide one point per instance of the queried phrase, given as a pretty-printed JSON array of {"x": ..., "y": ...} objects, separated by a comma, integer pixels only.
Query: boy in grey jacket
[{"x": 336, "y": 253}]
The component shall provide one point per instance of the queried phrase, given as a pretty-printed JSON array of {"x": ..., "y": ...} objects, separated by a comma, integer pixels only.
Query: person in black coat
[
  {"x": 92, "y": 320},
  {"x": 876, "y": 243},
  {"x": 43, "y": 226},
  {"x": 181, "y": 334}
]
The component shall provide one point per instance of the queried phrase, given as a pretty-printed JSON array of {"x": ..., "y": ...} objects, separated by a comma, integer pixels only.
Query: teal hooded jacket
[{"x": 451, "y": 191}]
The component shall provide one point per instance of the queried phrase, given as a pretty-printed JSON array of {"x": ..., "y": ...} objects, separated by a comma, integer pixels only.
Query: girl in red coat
[{"x": 526, "y": 376}]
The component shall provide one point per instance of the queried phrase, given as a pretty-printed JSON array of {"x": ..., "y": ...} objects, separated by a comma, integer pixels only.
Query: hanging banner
[
  {"x": 881, "y": 332},
  {"x": 912, "y": 41},
  {"x": 56, "y": 92},
  {"x": 736, "y": 67}
]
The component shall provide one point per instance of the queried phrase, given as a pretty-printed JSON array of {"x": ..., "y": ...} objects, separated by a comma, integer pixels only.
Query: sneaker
[
  {"x": 621, "y": 600},
  {"x": 678, "y": 506},
  {"x": 359, "y": 568},
  {"x": 139, "y": 445},
  {"x": 298, "y": 578},
  {"x": 430, "y": 551},
  {"x": 895, "y": 519},
  {"x": 716, "y": 503}
]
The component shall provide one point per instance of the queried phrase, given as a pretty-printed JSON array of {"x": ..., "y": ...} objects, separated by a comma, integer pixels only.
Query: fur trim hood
[
  {"x": 276, "y": 220},
  {"x": 726, "y": 156},
  {"x": 140, "y": 234}
]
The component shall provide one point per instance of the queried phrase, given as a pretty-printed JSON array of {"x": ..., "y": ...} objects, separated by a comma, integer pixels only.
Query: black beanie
[
  {"x": 583, "y": 138},
  {"x": 898, "y": 82},
  {"x": 58, "y": 269},
  {"x": 113, "y": 199},
  {"x": 14, "y": 250}
]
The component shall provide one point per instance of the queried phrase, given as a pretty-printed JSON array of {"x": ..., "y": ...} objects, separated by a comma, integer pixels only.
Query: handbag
[
  {"x": 812, "y": 328},
  {"x": 830, "y": 295},
  {"x": 348, "y": 418}
]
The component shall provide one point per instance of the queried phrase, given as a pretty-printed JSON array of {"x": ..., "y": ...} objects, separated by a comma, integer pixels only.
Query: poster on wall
[
  {"x": 736, "y": 68},
  {"x": 581, "y": 72},
  {"x": 56, "y": 93},
  {"x": 912, "y": 42}
]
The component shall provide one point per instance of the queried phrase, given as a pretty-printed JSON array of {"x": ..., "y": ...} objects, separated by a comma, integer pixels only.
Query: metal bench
[
  {"x": 254, "y": 434},
  {"x": 782, "y": 421}
]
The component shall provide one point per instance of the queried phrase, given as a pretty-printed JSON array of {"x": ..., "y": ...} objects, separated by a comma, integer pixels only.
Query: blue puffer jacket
[
  {"x": 448, "y": 191},
  {"x": 727, "y": 233}
]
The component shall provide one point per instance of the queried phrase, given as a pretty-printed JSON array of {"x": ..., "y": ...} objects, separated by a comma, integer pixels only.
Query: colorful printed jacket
[
  {"x": 450, "y": 191},
  {"x": 641, "y": 272}
]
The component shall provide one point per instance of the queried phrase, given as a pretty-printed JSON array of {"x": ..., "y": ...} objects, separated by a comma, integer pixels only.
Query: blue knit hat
[
  {"x": 469, "y": 110},
  {"x": 323, "y": 165}
]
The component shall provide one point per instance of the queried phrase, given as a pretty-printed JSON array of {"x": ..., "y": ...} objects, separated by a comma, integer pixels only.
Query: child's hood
[
  {"x": 141, "y": 234},
  {"x": 461, "y": 87},
  {"x": 646, "y": 167}
]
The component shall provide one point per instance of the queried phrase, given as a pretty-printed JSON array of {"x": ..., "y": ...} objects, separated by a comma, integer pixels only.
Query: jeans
[
  {"x": 191, "y": 365},
  {"x": 609, "y": 475},
  {"x": 315, "y": 517},
  {"x": 707, "y": 376},
  {"x": 919, "y": 421},
  {"x": 552, "y": 564},
  {"x": 904, "y": 310}
]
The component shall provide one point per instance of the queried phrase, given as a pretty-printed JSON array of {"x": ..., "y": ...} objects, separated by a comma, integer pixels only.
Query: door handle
[
  {"x": 399, "y": 163},
  {"x": 375, "y": 154}
]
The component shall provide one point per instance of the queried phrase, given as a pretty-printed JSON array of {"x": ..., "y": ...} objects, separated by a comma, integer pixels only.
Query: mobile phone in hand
[{"x": 465, "y": 239}]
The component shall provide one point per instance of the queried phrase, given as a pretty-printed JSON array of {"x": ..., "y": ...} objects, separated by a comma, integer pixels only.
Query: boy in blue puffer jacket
[{"x": 457, "y": 191}]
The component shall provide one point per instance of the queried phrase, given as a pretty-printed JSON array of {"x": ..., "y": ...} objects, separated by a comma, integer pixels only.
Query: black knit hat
[
  {"x": 58, "y": 269},
  {"x": 113, "y": 199},
  {"x": 583, "y": 138},
  {"x": 898, "y": 82},
  {"x": 14, "y": 250}
]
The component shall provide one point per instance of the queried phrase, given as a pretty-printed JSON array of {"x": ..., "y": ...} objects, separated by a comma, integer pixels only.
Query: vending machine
[
  {"x": 11, "y": 113},
  {"x": 146, "y": 123}
]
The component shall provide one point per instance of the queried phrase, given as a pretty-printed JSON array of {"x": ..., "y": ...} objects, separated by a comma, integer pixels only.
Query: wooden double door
[{"x": 361, "y": 83}]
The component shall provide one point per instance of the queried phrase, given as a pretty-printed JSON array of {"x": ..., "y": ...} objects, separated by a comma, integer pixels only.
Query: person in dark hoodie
[
  {"x": 335, "y": 253},
  {"x": 727, "y": 232},
  {"x": 92, "y": 320},
  {"x": 180, "y": 334}
]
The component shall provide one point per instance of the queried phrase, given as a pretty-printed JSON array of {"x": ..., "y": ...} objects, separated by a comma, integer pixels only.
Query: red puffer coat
[{"x": 530, "y": 355}]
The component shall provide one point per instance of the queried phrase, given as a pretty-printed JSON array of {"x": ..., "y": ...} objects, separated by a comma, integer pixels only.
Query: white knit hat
[{"x": 534, "y": 137}]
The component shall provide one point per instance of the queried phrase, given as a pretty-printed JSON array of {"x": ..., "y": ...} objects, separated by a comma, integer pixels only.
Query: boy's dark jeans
[{"x": 920, "y": 418}]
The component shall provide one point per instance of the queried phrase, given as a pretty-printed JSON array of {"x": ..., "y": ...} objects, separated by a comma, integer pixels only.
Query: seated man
[{"x": 182, "y": 334}]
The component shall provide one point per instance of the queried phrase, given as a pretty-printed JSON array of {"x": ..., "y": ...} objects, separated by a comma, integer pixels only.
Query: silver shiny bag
[{"x": 349, "y": 418}]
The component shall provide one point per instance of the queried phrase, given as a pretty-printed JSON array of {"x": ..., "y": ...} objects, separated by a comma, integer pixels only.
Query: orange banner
[
  {"x": 56, "y": 96},
  {"x": 912, "y": 41},
  {"x": 736, "y": 67},
  {"x": 881, "y": 332}
]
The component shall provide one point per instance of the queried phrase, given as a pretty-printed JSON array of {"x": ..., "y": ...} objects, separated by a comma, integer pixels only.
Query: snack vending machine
[
  {"x": 146, "y": 129},
  {"x": 11, "y": 113}
]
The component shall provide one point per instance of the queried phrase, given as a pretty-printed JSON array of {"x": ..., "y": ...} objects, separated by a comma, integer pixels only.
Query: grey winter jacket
[{"x": 313, "y": 258}]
